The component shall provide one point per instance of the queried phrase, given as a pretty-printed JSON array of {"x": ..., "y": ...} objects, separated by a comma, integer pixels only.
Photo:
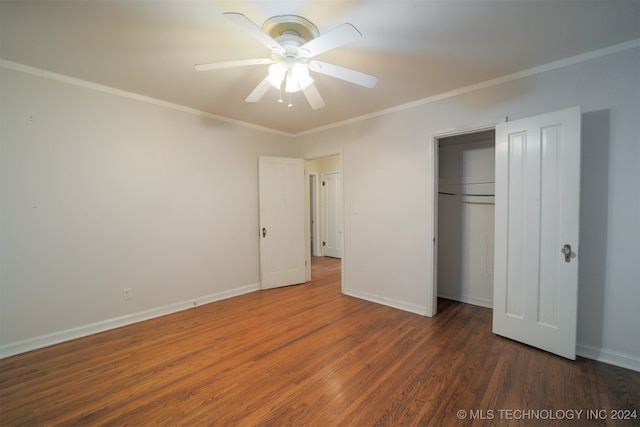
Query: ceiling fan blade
[
  {"x": 313, "y": 96},
  {"x": 229, "y": 64},
  {"x": 343, "y": 73},
  {"x": 339, "y": 36},
  {"x": 257, "y": 94},
  {"x": 250, "y": 27}
]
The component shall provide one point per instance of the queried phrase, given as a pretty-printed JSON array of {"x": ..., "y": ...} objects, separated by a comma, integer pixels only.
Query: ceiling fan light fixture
[
  {"x": 276, "y": 75},
  {"x": 298, "y": 78}
]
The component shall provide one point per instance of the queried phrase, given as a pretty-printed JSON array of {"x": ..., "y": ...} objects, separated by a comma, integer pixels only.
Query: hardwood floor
[{"x": 309, "y": 356}]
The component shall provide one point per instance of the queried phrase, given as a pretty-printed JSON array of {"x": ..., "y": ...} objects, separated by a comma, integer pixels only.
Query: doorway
[
  {"x": 313, "y": 213},
  {"x": 325, "y": 216},
  {"x": 331, "y": 204},
  {"x": 537, "y": 187},
  {"x": 465, "y": 217}
]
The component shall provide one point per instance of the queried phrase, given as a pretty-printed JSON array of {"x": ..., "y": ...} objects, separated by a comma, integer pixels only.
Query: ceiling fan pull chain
[{"x": 290, "y": 103}]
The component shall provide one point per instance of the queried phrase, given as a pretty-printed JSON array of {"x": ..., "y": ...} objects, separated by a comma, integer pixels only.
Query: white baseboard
[
  {"x": 35, "y": 343},
  {"x": 626, "y": 361},
  {"x": 469, "y": 300},
  {"x": 621, "y": 360},
  {"x": 400, "y": 305}
]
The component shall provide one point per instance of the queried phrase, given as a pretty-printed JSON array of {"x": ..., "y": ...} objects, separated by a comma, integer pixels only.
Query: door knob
[
  {"x": 566, "y": 250},
  {"x": 264, "y": 232}
]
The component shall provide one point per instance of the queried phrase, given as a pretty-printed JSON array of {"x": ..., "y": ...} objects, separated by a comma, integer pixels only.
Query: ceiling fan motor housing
[{"x": 292, "y": 24}]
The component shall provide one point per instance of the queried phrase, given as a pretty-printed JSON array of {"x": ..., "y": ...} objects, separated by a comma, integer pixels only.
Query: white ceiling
[{"x": 416, "y": 48}]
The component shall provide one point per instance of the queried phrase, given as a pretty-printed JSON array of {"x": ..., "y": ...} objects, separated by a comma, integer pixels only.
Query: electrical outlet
[{"x": 126, "y": 293}]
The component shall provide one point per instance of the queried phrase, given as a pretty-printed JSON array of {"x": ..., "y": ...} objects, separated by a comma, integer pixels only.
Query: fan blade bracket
[{"x": 304, "y": 53}]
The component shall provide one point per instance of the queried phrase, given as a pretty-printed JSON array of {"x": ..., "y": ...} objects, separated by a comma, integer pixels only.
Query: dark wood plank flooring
[{"x": 309, "y": 356}]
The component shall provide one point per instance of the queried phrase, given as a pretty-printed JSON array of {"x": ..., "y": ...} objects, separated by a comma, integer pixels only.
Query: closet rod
[{"x": 466, "y": 194}]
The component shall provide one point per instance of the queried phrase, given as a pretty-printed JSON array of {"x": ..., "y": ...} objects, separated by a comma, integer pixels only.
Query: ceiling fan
[{"x": 293, "y": 42}]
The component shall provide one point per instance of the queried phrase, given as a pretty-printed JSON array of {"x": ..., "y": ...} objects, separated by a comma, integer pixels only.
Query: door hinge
[{"x": 324, "y": 243}]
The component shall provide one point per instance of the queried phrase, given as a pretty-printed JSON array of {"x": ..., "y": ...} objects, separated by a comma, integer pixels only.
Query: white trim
[
  {"x": 35, "y": 343},
  {"x": 447, "y": 133},
  {"x": 433, "y": 157},
  {"x": 486, "y": 84},
  {"x": 627, "y": 361},
  {"x": 481, "y": 302},
  {"x": 622, "y": 360},
  {"x": 389, "y": 302},
  {"x": 330, "y": 153},
  {"x": 130, "y": 95},
  {"x": 587, "y": 56}
]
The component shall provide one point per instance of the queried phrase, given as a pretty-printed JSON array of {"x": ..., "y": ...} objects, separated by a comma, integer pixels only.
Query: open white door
[
  {"x": 536, "y": 231},
  {"x": 332, "y": 215},
  {"x": 282, "y": 225}
]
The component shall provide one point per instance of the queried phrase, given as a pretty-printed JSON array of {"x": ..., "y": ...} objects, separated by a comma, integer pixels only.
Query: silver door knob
[{"x": 566, "y": 250}]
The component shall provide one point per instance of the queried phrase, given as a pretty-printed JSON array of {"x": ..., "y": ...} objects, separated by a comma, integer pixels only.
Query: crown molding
[
  {"x": 130, "y": 95},
  {"x": 562, "y": 63}
]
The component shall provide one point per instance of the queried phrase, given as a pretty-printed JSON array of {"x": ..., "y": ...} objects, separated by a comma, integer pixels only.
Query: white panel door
[
  {"x": 537, "y": 212},
  {"x": 282, "y": 250},
  {"x": 332, "y": 214}
]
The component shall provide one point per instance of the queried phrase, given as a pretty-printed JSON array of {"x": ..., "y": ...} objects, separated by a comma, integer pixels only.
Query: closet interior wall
[{"x": 466, "y": 208}]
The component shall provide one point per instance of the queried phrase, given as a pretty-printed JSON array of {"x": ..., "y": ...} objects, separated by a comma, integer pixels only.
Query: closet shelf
[{"x": 465, "y": 194}]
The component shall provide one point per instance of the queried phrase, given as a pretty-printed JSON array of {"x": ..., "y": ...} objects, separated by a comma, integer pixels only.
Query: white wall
[
  {"x": 101, "y": 192},
  {"x": 387, "y": 175}
]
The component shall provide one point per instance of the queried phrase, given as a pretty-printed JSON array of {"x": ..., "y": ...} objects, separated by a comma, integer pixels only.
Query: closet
[{"x": 466, "y": 204}]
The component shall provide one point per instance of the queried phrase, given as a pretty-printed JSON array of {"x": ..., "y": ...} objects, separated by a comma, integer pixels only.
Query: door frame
[
  {"x": 433, "y": 161},
  {"x": 307, "y": 212}
]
